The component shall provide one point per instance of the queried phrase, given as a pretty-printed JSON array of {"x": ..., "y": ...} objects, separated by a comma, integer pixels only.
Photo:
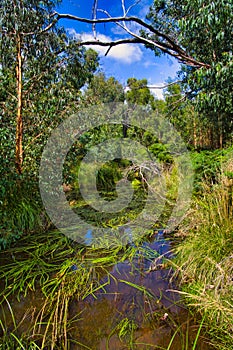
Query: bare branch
[
  {"x": 130, "y": 7},
  {"x": 163, "y": 41},
  {"x": 94, "y": 16},
  {"x": 123, "y": 7},
  {"x": 46, "y": 29},
  {"x": 159, "y": 87},
  {"x": 109, "y": 43},
  {"x": 117, "y": 19}
]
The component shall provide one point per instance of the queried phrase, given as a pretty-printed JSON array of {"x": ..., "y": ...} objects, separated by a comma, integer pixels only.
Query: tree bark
[
  {"x": 194, "y": 133},
  {"x": 19, "y": 117}
]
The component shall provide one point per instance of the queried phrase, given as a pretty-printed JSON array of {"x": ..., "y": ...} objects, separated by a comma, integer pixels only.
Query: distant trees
[
  {"x": 138, "y": 92},
  {"x": 42, "y": 69},
  {"x": 104, "y": 90},
  {"x": 181, "y": 113}
]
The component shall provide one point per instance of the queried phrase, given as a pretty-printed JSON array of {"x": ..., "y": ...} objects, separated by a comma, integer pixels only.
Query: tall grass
[
  {"x": 21, "y": 210},
  {"x": 63, "y": 271},
  {"x": 205, "y": 258},
  {"x": 9, "y": 338},
  {"x": 60, "y": 271}
]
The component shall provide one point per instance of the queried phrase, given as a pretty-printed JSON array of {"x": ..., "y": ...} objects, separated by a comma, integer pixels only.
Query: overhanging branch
[{"x": 162, "y": 41}]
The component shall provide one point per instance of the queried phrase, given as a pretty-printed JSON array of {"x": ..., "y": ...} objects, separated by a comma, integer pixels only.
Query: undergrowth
[
  {"x": 21, "y": 210},
  {"x": 60, "y": 270}
]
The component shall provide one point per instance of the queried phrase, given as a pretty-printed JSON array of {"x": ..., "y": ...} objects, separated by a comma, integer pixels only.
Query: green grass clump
[
  {"x": 205, "y": 259},
  {"x": 59, "y": 271},
  {"x": 21, "y": 210}
]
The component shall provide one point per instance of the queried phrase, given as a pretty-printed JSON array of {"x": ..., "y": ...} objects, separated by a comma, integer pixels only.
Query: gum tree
[
  {"x": 23, "y": 24},
  {"x": 38, "y": 62},
  {"x": 204, "y": 29}
]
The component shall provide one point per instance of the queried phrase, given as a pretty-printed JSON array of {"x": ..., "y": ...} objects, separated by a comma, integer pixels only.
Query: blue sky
[{"x": 123, "y": 61}]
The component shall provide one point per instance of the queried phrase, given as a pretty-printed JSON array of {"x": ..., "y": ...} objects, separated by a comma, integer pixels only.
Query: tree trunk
[
  {"x": 19, "y": 119},
  {"x": 194, "y": 129},
  {"x": 220, "y": 128}
]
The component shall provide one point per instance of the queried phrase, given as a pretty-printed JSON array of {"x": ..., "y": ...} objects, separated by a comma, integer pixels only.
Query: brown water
[{"x": 151, "y": 313}]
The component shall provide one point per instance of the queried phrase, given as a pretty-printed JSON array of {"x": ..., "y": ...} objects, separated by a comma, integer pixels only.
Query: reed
[{"x": 205, "y": 260}]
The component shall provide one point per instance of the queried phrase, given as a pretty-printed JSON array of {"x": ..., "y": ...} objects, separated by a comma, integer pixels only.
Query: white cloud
[
  {"x": 149, "y": 63},
  {"x": 126, "y": 53},
  {"x": 72, "y": 32},
  {"x": 158, "y": 93},
  {"x": 118, "y": 30}
]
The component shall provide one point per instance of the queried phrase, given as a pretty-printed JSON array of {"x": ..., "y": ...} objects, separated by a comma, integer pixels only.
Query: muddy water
[
  {"x": 152, "y": 312},
  {"x": 137, "y": 309}
]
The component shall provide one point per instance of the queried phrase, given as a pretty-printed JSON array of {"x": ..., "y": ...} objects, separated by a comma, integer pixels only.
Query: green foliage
[
  {"x": 54, "y": 69},
  {"x": 125, "y": 330},
  {"x": 207, "y": 166},
  {"x": 204, "y": 30},
  {"x": 103, "y": 90},
  {"x": 107, "y": 177},
  {"x": 182, "y": 115},
  {"x": 138, "y": 92},
  {"x": 21, "y": 209},
  {"x": 161, "y": 152}
]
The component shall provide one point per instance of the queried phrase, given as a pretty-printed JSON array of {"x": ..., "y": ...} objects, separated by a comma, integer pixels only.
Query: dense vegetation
[{"x": 45, "y": 77}]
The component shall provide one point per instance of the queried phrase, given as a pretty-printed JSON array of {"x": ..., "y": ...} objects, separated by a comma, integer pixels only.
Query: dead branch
[
  {"x": 94, "y": 16},
  {"x": 162, "y": 41}
]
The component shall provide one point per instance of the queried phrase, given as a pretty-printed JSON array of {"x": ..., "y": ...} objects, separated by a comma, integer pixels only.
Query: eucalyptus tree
[
  {"x": 101, "y": 90},
  {"x": 40, "y": 61},
  {"x": 181, "y": 113},
  {"x": 138, "y": 92},
  {"x": 204, "y": 29},
  {"x": 104, "y": 90}
]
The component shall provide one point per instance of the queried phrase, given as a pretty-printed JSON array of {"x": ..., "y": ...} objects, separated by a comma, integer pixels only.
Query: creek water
[
  {"x": 152, "y": 312},
  {"x": 138, "y": 307}
]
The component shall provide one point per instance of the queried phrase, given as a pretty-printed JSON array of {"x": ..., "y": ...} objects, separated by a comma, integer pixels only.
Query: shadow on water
[{"x": 136, "y": 307}]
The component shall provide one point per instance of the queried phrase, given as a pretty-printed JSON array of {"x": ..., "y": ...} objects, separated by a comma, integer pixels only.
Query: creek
[{"x": 137, "y": 307}]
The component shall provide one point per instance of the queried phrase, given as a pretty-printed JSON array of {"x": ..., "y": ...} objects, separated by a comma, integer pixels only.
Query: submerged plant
[{"x": 125, "y": 330}]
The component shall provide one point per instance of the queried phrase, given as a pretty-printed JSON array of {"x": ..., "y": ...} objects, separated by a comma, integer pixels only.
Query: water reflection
[
  {"x": 139, "y": 294},
  {"x": 88, "y": 238}
]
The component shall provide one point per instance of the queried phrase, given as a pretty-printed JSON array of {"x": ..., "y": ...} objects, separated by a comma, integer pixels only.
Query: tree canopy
[{"x": 204, "y": 29}]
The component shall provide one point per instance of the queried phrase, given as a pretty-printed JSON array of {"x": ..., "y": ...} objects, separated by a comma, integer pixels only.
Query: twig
[{"x": 94, "y": 16}]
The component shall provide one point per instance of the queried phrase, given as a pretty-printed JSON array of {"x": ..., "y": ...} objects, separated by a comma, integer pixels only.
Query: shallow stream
[{"x": 138, "y": 307}]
